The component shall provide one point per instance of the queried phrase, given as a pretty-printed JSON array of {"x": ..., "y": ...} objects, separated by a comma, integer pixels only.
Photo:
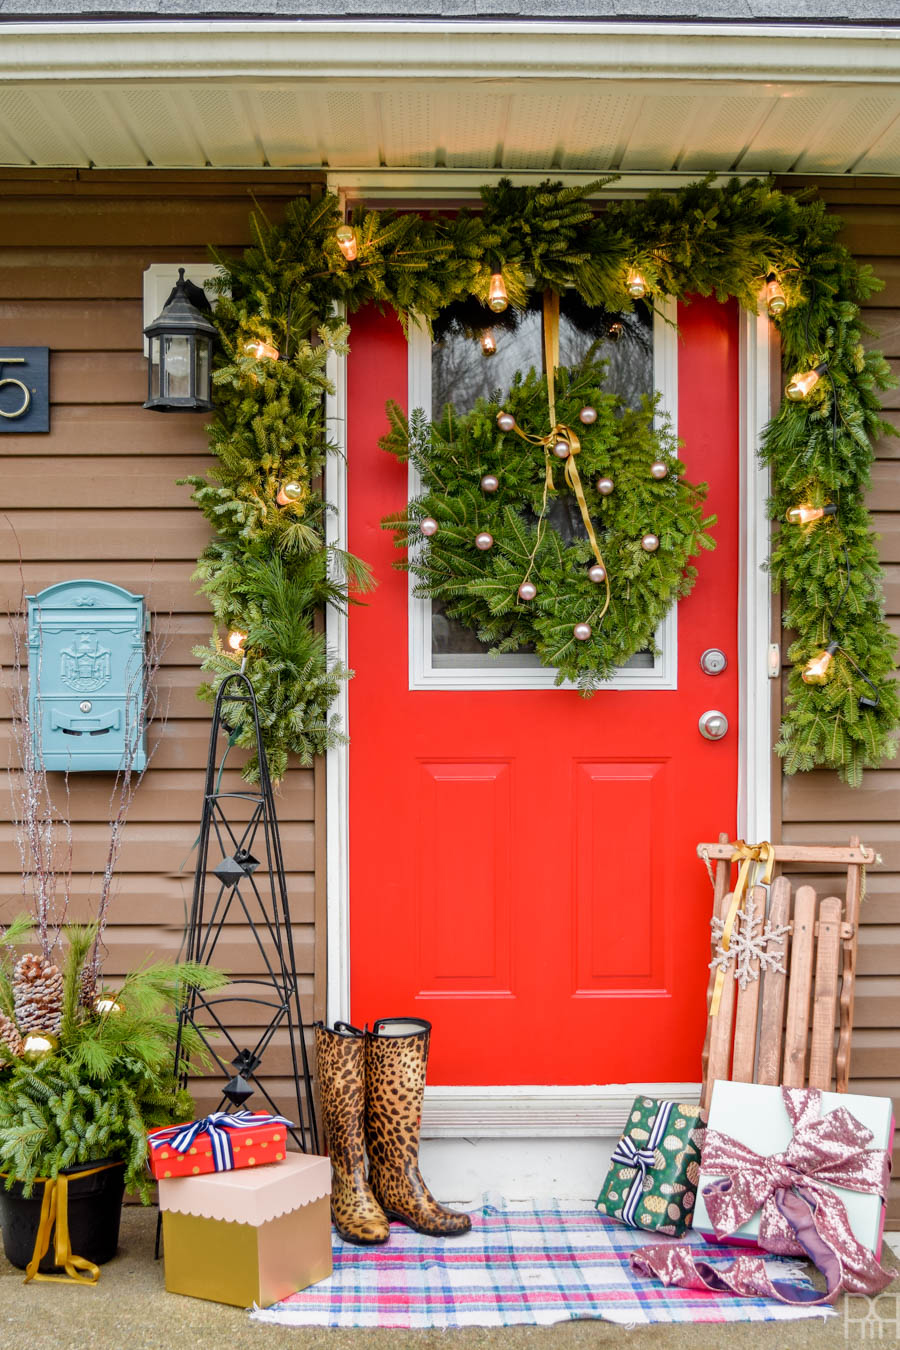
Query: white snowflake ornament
[{"x": 750, "y": 939}]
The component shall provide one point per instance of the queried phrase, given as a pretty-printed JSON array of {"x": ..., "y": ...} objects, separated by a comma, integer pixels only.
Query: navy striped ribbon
[
  {"x": 218, "y": 1126},
  {"x": 629, "y": 1155}
]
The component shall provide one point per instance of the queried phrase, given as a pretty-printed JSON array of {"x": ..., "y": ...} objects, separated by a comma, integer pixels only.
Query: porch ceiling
[{"x": 636, "y": 98}]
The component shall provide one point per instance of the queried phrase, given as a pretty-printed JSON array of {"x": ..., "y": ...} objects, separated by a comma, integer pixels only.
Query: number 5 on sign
[
  {"x": 26, "y": 392},
  {"x": 24, "y": 389}
]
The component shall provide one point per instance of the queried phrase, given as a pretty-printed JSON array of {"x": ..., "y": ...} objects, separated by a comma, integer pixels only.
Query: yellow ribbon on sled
[{"x": 750, "y": 856}]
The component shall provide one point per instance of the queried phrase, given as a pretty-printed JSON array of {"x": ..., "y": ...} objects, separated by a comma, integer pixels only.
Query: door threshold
[{"x": 528, "y": 1143}]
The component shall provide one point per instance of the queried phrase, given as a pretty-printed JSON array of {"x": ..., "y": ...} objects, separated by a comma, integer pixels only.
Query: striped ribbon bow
[
  {"x": 218, "y": 1126},
  {"x": 627, "y": 1154}
]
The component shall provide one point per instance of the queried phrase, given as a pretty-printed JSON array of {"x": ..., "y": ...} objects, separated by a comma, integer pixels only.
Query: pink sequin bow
[{"x": 800, "y": 1214}]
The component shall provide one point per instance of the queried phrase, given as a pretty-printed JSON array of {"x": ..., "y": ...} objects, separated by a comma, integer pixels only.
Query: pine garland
[{"x": 701, "y": 239}]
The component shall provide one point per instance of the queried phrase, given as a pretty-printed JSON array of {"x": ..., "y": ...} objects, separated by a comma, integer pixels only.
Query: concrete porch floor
[{"x": 130, "y": 1310}]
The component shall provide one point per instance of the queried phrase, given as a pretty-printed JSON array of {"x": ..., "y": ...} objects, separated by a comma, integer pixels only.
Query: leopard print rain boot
[
  {"x": 341, "y": 1075},
  {"x": 396, "y": 1056}
]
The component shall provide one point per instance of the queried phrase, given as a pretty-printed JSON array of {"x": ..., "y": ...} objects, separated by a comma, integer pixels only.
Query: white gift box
[{"x": 755, "y": 1115}]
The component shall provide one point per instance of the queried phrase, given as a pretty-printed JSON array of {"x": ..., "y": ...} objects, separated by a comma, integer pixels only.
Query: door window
[{"x": 452, "y": 368}]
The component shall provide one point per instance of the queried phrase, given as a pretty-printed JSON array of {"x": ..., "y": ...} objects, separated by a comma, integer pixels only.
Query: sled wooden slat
[
  {"x": 771, "y": 1027},
  {"x": 722, "y": 1025},
  {"x": 720, "y": 889},
  {"x": 744, "y": 1053},
  {"x": 755, "y": 1037},
  {"x": 825, "y": 854},
  {"x": 828, "y": 955},
  {"x": 848, "y": 974},
  {"x": 796, "y": 1031}
]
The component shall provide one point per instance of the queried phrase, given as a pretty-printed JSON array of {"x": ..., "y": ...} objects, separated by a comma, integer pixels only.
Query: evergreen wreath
[
  {"x": 270, "y": 441},
  {"x": 540, "y": 581}
]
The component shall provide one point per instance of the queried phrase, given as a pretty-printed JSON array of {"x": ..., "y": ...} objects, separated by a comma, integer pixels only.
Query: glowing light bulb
[
  {"x": 489, "y": 342},
  {"x": 346, "y": 242},
  {"x": 776, "y": 301},
  {"x": 262, "y": 351},
  {"x": 289, "y": 493},
  {"x": 637, "y": 286},
  {"x": 817, "y": 668},
  {"x": 805, "y": 514},
  {"x": 497, "y": 297},
  {"x": 236, "y": 640},
  {"x": 803, "y": 384}
]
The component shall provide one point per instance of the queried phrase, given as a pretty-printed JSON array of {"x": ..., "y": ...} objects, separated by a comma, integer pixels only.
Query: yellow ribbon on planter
[
  {"x": 750, "y": 856},
  {"x": 55, "y": 1210}
]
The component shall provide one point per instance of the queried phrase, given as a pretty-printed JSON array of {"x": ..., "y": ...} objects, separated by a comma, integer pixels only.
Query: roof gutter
[{"x": 388, "y": 52}]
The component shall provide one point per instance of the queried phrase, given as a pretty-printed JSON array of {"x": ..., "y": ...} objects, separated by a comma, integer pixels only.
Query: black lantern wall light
[{"x": 179, "y": 378}]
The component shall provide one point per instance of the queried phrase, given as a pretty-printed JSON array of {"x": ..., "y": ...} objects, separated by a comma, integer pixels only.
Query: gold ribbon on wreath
[
  {"x": 562, "y": 434},
  {"x": 751, "y": 857},
  {"x": 55, "y": 1210}
]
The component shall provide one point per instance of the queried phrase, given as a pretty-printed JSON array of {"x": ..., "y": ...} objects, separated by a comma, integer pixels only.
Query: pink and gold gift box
[{"x": 248, "y": 1236}]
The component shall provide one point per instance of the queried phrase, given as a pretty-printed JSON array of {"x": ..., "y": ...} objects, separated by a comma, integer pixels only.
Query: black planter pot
[{"x": 95, "y": 1208}]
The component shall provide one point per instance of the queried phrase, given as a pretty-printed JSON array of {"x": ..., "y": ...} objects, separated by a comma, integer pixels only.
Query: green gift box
[{"x": 652, "y": 1179}]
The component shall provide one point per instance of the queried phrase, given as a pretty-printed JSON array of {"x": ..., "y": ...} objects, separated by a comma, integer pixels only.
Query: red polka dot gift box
[{"x": 221, "y": 1142}]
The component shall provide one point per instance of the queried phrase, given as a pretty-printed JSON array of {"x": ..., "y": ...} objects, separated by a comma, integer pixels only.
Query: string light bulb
[
  {"x": 637, "y": 286},
  {"x": 803, "y": 383},
  {"x": 346, "y": 242},
  {"x": 806, "y": 513},
  {"x": 489, "y": 342},
  {"x": 236, "y": 640},
  {"x": 776, "y": 300},
  {"x": 289, "y": 493},
  {"x": 262, "y": 351},
  {"x": 816, "y": 670},
  {"x": 497, "y": 296}
]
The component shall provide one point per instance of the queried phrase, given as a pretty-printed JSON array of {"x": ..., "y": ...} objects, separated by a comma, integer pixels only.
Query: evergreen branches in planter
[
  {"x": 92, "y": 1092},
  {"x": 702, "y": 239}
]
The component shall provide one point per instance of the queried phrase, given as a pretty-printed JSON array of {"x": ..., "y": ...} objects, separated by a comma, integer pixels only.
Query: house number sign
[{"x": 24, "y": 389}]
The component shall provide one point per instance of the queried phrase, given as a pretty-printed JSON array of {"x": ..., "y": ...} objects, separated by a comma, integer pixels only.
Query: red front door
[{"x": 522, "y": 863}]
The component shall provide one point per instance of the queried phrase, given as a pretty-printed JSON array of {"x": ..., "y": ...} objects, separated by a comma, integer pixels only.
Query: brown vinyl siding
[
  {"x": 817, "y": 807},
  {"x": 97, "y": 497}
]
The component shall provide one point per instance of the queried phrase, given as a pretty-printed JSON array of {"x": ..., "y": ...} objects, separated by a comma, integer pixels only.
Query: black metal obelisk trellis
[{"x": 240, "y": 875}]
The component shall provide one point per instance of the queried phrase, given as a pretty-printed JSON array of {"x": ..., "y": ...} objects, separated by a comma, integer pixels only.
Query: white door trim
[
  {"x": 754, "y": 807},
  {"x": 754, "y": 732}
]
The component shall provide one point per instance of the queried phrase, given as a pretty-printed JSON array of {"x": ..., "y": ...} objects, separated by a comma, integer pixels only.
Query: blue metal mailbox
[{"x": 86, "y": 676}]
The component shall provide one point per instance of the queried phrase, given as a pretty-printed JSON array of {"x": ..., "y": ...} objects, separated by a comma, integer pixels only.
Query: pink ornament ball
[
  {"x": 561, "y": 450},
  {"x": 588, "y": 415},
  {"x": 484, "y": 540},
  {"x": 428, "y": 526},
  {"x": 505, "y": 421},
  {"x": 650, "y": 543},
  {"x": 490, "y": 482},
  {"x": 658, "y": 469},
  {"x": 582, "y": 631},
  {"x": 527, "y": 591},
  {"x": 597, "y": 573},
  {"x": 605, "y": 486}
]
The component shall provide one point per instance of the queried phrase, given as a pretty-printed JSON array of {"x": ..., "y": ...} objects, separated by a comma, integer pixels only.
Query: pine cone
[
  {"x": 38, "y": 993},
  {"x": 88, "y": 992},
  {"x": 9, "y": 1036}
]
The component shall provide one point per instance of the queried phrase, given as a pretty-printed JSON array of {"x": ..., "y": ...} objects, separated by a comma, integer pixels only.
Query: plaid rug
[{"x": 518, "y": 1266}]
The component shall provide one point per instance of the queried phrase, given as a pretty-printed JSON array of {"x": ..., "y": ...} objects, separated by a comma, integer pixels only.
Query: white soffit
[{"x": 541, "y": 97}]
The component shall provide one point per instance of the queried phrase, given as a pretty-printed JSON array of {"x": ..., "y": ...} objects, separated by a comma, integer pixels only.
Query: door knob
[{"x": 713, "y": 725}]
